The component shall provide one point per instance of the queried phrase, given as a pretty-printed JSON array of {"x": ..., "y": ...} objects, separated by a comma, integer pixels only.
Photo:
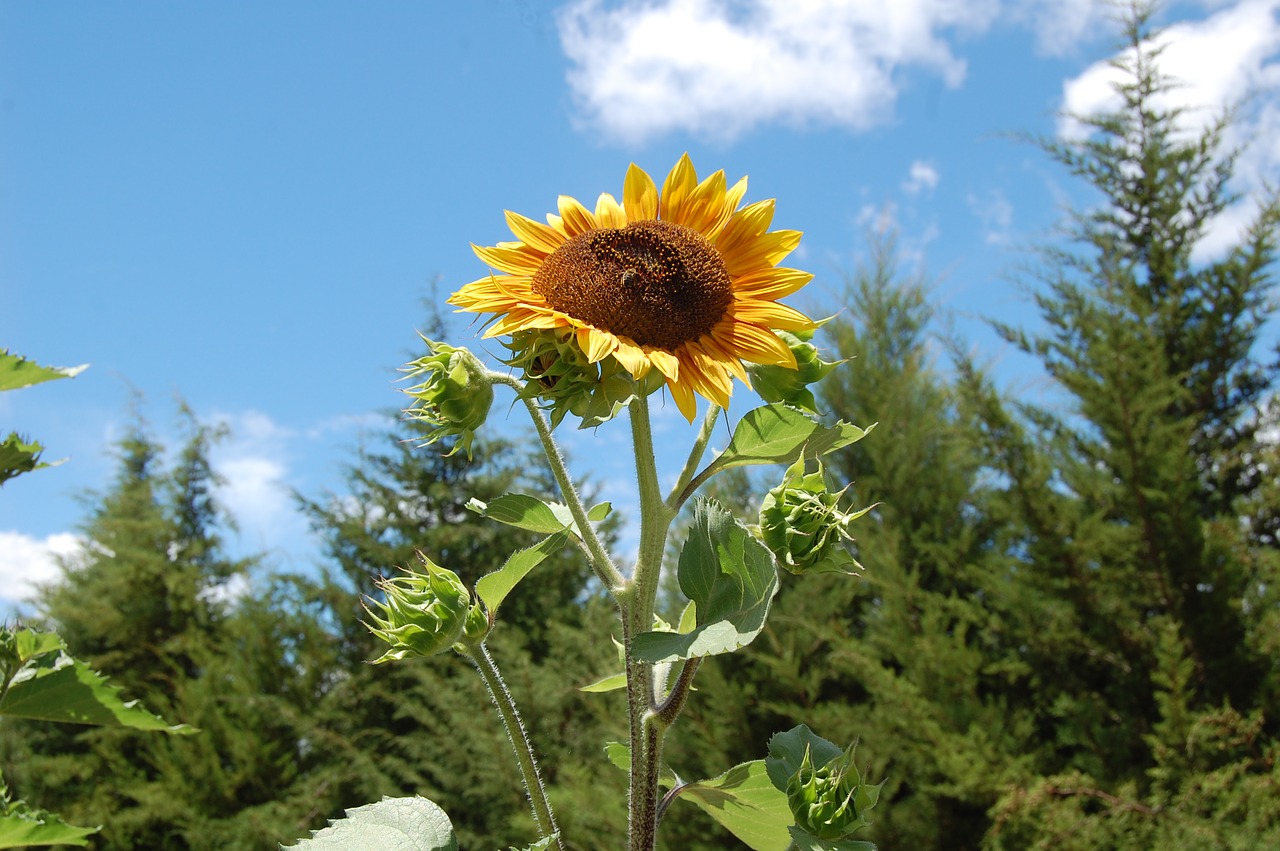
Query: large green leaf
[
  {"x": 17, "y": 372},
  {"x": 778, "y": 434},
  {"x": 392, "y": 824},
  {"x": 730, "y": 577},
  {"x": 47, "y": 684},
  {"x": 746, "y": 803},
  {"x": 494, "y": 587},
  {"x": 22, "y": 827}
]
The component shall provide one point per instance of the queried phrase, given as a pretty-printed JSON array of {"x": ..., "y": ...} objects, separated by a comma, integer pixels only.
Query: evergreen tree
[
  {"x": 1131, "y": 573},
  {"x": 148, "y": 603}
]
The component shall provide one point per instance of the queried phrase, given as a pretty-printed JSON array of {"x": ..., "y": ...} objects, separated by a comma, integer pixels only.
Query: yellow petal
[
  {"x": 667, "y": 363},
  {"x": 633, "y": 360},
  {"x": 518, "y": 261},
  {"x": 679, "y": 185},
  {"x": 704, "y": 211},
  {"x": 577, "y": 218},
  {"x": 596, "y": 343},
  {"x": 771, "y": 314},
  {"x": 684, "y": 399},
  {"x": 746, "y": 224},
  {"x": 639, "y": 195},
  {"x": 610, "y": 213},
  {"x": 766, "y": 250},
  {"x": 772, "y": 283},
  {"x": 534, "y": 234},
  {"x": 753, "y": 343}
]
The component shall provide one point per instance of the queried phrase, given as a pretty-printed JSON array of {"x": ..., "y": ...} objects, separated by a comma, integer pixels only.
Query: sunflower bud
[
  {"x": 566, "y": 381},
  {"x": 782, "y": 384},
  {"x": 800, "y": 520},
  {"x": 474, "y": 630},
  {"x": 824, "y": 800},
  {"x": 424, "y": 614},
  {"x": 454, "y": 396}
]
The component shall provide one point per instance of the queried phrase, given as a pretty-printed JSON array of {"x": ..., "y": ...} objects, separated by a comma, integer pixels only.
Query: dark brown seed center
[{"x": 659, "y": 283}]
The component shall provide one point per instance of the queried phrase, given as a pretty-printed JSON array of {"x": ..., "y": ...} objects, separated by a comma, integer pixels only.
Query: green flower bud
[
  {"x": 475, "y": 629},
  {"x": 783, "y": 384},
  {"x": 824, "y": 800},
  {"x": 455, "y": 394},
  {"x": 800, "y": 520},
  {"x": 424, "y": 613},
  {"x": 566, "y": 382}
]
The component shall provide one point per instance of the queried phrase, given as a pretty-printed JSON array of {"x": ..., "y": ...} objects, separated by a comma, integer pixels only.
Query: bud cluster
[
  {"x": 824, "y": 800},
  {"x": 563, "y": 377},
  {"x": 425, "y": 614},
  {"x": 783, "y": 384},
  {"x": 801, "y": 522},
  {"x": 454, "y": 396}
]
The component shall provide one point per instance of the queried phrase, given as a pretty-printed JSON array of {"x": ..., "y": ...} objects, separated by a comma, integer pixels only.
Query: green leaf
[
  {"x": 524, "y": 512},
  {"x": 613, "y": 682},
  {"x": 746, "y": 803},
  {"x": 17, "y": 372},
  {"x": 494, "y": 587},
  {"x": 49, "y": 685},
  {"x": 787, "y": 750},
  {"x": 619, "y": 753},
  {"x": 778, "y": 434},
  {"x": 730, "y": 577},
  {"x": 18, "y": 456},
  {"x": 688, "y": 618},
  {"x": 541, "y": 845},
  {"x": 805, "y": 841},
  {"x": 536, "y": 515},
  {"x": 392, "y": 824},
  {"x": 24, "y": 828}
]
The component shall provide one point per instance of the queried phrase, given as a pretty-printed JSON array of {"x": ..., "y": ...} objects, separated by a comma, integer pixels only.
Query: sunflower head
[{"x": 682, "y": 285}]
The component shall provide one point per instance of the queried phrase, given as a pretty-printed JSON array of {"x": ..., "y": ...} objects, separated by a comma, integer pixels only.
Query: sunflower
[{"x": 684, "y": 282}]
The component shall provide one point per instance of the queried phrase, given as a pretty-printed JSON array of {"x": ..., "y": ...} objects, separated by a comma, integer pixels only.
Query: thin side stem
[
  {"x": 601, "y": 564},
  {"x": 533, "y": 787},
  {"x": 677, "y": 496},
  {"x": 666, "y": 712}
]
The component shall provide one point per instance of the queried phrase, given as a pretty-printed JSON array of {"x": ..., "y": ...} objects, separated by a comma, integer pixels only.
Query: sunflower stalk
[
  {"x": 646, "y": 733},
  {"x": 529, "y": 774}
]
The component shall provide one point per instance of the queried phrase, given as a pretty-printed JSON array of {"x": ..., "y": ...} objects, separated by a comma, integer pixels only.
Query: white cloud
[
  {"x": 26, "y": 562},
  {"x": 253, "y": 463},
  {"x": 717, "y": 68},
  {"x": 921, "y": 175},
  {"x": 995, "y": 214},
  {"x": 1223, "y": 61},
  {"x": 1060, "y": 25}
]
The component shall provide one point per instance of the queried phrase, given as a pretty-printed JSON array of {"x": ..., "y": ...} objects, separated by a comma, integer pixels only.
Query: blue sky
[{"x": 244, "y": 204}]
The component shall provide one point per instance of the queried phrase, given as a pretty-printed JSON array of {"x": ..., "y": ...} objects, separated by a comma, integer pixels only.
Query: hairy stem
[
  {"x": 678, "y": 493},
  {"x": 638, "y": 607},
  {"x": 601, "y": 563},
  {"x": 533, "y": 787}
]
